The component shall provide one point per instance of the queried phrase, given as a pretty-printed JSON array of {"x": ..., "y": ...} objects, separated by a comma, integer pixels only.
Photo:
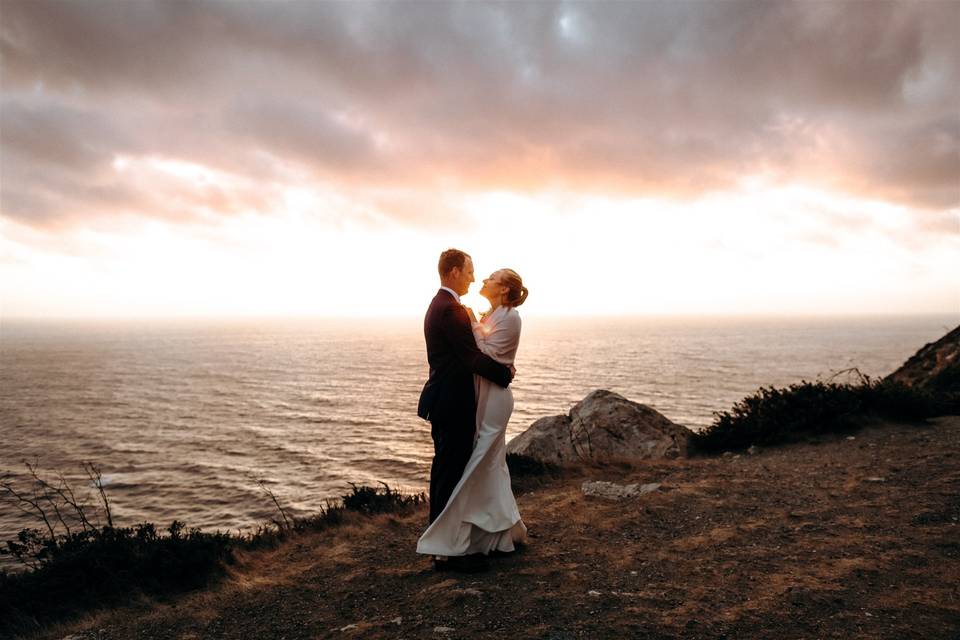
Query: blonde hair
[{"x": 516, "y": 292}]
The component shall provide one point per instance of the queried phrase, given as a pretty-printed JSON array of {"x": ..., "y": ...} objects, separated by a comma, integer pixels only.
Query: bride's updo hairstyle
[{"x": 516, "y": 292}]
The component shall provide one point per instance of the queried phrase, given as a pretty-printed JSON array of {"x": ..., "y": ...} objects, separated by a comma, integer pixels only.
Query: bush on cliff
[
  {"x": 88, "y": 570},
  {"x": 79, "y": 569},
  {"x": 371, "y": 500},
  {"x": 779, "y": 415}
]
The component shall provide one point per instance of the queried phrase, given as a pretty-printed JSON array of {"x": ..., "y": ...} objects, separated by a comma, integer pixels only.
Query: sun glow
[
  {"x": 251, "y": 163},
  {"x": 760, "y": 249}
]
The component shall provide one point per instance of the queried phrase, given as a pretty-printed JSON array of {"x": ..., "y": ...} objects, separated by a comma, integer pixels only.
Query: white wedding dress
[{"x": 481, "y": 515}]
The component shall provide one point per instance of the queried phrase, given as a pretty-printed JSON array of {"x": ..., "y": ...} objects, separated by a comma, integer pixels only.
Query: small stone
[
  {"x": 728, "y": 454},
  {"x": 753, "y": 450},
  {"x": 634, "y": 573},
  {"x": 594, "y": 594},
  {"x": 601, "y": 489},
  {"x": 647, "y": 488},
  {"x": 348, "y": 627},
  {"x": 876, "y": 479},
  {"x": 443, "y": 629},
  {"x": 397, "y": 620},
  {"x": 851, "y": 438}
]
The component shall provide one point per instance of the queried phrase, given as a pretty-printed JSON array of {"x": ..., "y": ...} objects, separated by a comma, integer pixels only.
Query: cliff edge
[{"x": 935, "y": 367}]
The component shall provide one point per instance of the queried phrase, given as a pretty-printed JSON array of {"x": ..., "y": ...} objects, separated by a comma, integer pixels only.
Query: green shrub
[{"x": 773, "y": 416}]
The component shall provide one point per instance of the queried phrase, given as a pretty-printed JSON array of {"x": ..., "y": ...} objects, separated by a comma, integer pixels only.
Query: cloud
[
  {"x": 302, "y": 134},
  {"x": 670, "y": 99}
]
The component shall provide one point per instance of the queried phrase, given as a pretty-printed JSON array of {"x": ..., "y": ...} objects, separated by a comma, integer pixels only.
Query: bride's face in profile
[{"x": 492, "y": 288}]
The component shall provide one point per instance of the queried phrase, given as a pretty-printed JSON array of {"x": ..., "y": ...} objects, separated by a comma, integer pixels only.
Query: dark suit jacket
[{"x": 454, "y": 357}]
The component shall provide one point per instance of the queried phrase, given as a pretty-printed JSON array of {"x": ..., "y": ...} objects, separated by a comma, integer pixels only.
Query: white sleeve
[
  {"x": 481, "y": 333},
  {"x": 499, "y": 341}
]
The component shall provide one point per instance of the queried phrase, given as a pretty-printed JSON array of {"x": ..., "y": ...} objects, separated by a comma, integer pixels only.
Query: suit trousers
[{"x": 452, "y": 446}]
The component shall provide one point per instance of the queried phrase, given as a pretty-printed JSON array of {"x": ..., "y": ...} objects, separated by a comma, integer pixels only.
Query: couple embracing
[{"x": 468, "y": 403}]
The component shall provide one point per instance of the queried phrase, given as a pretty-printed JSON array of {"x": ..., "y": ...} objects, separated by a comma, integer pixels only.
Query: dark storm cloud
[{"x": 669, "y": 98}]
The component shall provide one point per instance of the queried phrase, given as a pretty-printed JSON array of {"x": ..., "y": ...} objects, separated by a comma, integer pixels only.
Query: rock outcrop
[
  {"x": 935, "y": 367},
  {"x": 603, "y": 426}
]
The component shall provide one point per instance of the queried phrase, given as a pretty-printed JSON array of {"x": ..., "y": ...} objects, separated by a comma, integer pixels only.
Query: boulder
[
  {"x": 935, "y": 367},
  {"x": 603, "y": 426}
]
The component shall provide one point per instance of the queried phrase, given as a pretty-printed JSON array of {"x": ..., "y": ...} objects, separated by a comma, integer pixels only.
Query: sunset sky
[{"x": 306, "y": 158}]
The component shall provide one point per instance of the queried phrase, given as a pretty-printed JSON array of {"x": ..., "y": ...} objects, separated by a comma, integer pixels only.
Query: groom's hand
[{"x": 513, "y": 372}]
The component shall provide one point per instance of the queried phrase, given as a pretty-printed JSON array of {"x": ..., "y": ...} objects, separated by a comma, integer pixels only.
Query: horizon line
[{"x": 535, "y": 315}]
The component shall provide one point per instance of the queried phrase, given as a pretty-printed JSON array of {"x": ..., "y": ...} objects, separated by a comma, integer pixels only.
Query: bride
[{"x": 481, "y": 515}]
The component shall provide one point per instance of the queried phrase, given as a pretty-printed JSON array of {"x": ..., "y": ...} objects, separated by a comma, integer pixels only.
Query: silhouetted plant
[
  {"x": 778, "y": 415},
  {"x": 273, "y": 498},
  {"x": 76, "y": 566},
  {"x": 375, "y": 500}
]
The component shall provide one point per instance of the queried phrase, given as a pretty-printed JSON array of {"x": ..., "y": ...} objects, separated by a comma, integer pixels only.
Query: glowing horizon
[{"x": 308, "y": 159}]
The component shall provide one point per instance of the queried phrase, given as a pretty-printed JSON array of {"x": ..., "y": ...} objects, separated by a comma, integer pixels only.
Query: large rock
[
  {"x": 935, "y": 367},
  {"x": 603, "y": 426}
]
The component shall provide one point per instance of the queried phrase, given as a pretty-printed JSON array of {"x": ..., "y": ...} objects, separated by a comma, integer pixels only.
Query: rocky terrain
[{"x": 935, "y": 367}]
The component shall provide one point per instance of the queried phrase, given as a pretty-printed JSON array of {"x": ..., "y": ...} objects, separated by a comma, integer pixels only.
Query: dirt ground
[{"x": 843, "y": 538}]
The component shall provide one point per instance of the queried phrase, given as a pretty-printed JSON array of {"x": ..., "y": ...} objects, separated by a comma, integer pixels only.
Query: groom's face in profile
[{"x": 464, "y": 277}]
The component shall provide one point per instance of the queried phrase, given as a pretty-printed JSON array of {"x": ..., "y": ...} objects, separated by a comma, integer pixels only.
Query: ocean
[{"x": 187, "y": 418}]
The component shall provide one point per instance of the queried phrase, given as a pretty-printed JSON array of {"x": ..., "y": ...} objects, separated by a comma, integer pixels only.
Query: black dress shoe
[{"x": 463, "y": 564}]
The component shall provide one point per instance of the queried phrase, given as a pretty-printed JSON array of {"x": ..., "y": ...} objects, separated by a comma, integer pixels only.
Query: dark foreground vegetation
[
  {"x": 76, "y": 563},
  {"x": 774, "y": 416}
]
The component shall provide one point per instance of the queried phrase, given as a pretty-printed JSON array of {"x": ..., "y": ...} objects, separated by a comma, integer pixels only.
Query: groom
[{"x": 448, "y": 400}]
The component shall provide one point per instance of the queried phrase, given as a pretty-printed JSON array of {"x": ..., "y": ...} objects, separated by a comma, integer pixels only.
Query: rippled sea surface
[{"x": 186, "y": 419}]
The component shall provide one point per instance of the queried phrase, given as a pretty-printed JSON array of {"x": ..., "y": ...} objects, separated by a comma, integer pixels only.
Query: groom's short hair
[{"x": 451, "y": 259}]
